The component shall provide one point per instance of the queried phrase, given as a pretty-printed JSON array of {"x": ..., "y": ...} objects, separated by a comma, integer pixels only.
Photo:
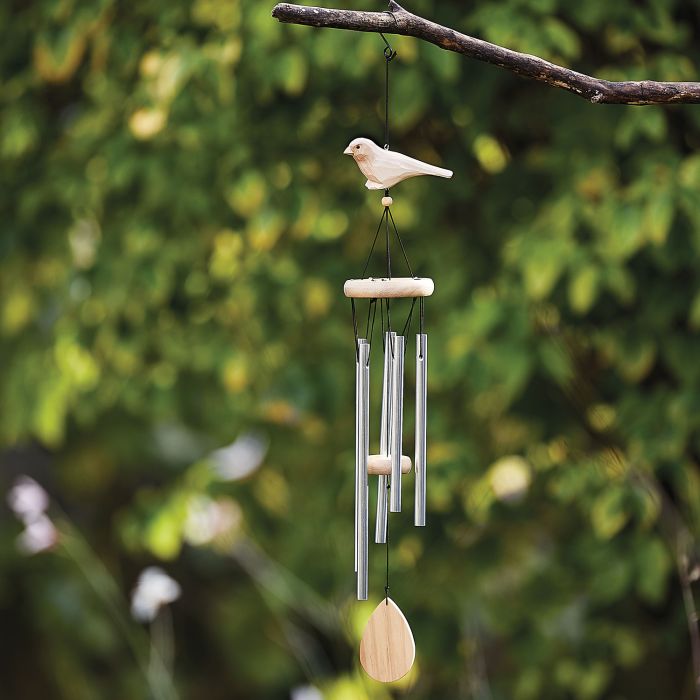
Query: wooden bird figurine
[{"x": 384, "y": 168}]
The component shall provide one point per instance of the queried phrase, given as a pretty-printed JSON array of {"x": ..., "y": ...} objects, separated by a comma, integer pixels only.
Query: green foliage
[{"x": 178, "y": 221}]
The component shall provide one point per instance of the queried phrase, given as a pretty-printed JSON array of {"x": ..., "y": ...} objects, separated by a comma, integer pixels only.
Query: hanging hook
[
  {"x": 389, "y": 56},
  {"x": 389, "y": 53}
]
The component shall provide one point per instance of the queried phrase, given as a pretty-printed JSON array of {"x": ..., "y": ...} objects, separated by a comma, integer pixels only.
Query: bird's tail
[{"x": 439, "y": 172}]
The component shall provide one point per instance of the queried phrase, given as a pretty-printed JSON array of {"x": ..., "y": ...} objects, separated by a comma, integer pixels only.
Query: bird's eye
[{"x": 358, "y": 147}]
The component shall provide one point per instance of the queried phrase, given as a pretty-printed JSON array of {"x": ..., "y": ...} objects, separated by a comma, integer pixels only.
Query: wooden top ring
[{"x": 385, "y": 288}]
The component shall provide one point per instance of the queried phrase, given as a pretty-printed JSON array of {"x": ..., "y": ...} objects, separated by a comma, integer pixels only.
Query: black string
[
  {"x": 386, "y": 329},
  {"x": 386, "y": 105},
  {"x": 389, "y": 56},
  {"x": 407, "y": 325},
  {"x": 369, "y": 332},
  {"x": 369, "y": 316},
  {"x": 386, "y": 214},
  {"x": 381, "y": 314},
  {"x": 421, "y": 323},
  {"x": 388, "y": 322},
  {"x": 386, "y": 585},
  {"x": 403, "y": 250},
  {"x": 386, "y": 217},
  {"x": 374, "y": 242},
  {"x": 354, "y": 327}
]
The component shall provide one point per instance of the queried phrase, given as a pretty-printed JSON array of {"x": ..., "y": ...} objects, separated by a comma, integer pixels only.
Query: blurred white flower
[
  {"x": 153, "y": 590},
  {"x": 39, "y": 535},
  {"x": 694, "y": 573},
  {"x": 208, "y": 519},
  {"x": 27, "y": 499},
  {"x": 510, "y": 478},
  {"x": 306, "y": 692},
  {"x": 241, "y": 458}
]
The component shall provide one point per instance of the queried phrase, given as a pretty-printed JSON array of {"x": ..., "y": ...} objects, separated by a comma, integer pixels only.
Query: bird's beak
[{"x": 348, "y": 151}]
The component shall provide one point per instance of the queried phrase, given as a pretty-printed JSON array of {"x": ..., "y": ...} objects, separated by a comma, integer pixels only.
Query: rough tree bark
[{"x": 400, "y": 21}]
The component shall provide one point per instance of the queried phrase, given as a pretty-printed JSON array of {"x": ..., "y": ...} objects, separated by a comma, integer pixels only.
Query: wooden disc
[
  {"x": 394, "y": 288},
  {"x": 387, "y": 649}
]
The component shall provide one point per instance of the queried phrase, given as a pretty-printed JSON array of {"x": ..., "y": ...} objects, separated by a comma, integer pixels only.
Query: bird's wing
[
  {"x": 367, "y": 166},
  {"x": 397, "y": 166}
]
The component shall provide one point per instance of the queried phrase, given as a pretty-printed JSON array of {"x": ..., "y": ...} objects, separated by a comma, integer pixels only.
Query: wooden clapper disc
[{"x": 387, "y": 649}]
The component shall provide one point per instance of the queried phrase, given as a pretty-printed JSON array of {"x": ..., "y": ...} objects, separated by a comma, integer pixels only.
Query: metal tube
[
  {"x": 384, "y": 441},
  {"x": 396, "y": 423},
  {"x": 358, "y": 380},
  {"x": 357, "y": 436},
  {"x": 382, "y": 515},
  {"x": 363, "y": 484},
  {"x": 421, "y": 415}
]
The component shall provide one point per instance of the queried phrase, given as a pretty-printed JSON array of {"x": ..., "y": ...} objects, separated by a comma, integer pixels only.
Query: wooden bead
[
  {"x": 394, "y": 288},
  {"x": 387, "y": 201},
  {"x": 381, "y": 465}
]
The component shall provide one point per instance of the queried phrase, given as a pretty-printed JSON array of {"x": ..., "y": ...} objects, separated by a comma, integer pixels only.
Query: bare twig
[
  {"x": 691, "y": 613},
  {"x": 681, "y": 543},
  {"x": 400, "y": 21}
]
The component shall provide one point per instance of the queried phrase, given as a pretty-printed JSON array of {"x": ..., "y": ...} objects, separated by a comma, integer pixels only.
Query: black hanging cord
[
  {"x": 354, "y": 327},
  {"x": 388, "y": 322},
  {"x": 386, "y": 328},
  {"x": 407, "y": 325},
  {"x": 386, "y": 104},
  {"x": 381, "y": 314},
  {"x": 389, "y": 56},
  {"x": 374, "y": 242},
  {"x": 403, "y": 250},
  {"x": 388, "y": 270},
  {"x": 386, "y": 585},
  {"x": 371, "y": 313},
  {"x": 387, "y": 213}
]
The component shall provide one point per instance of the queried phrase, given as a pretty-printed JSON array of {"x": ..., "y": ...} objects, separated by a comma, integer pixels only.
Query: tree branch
[{"x": 400, "y": 21}]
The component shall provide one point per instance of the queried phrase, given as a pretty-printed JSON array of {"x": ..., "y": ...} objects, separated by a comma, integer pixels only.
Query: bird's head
[{"x": 360, "y": 148}]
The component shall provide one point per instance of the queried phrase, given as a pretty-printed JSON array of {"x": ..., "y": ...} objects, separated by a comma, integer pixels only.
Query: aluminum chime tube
[
  {"x": 358, "y": 379},
  {"x": 361, "y": 478},
  {"x": 421, "y": 406},
  {"x": 396, "y": 423},
  {"x": 384, "y": 440}
]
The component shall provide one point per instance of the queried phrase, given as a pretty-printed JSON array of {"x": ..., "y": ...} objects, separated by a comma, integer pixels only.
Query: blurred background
[{"x": 177, "y": 362}]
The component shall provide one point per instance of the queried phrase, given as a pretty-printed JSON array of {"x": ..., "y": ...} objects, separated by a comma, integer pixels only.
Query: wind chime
[{"x": 387, "y": 649}]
